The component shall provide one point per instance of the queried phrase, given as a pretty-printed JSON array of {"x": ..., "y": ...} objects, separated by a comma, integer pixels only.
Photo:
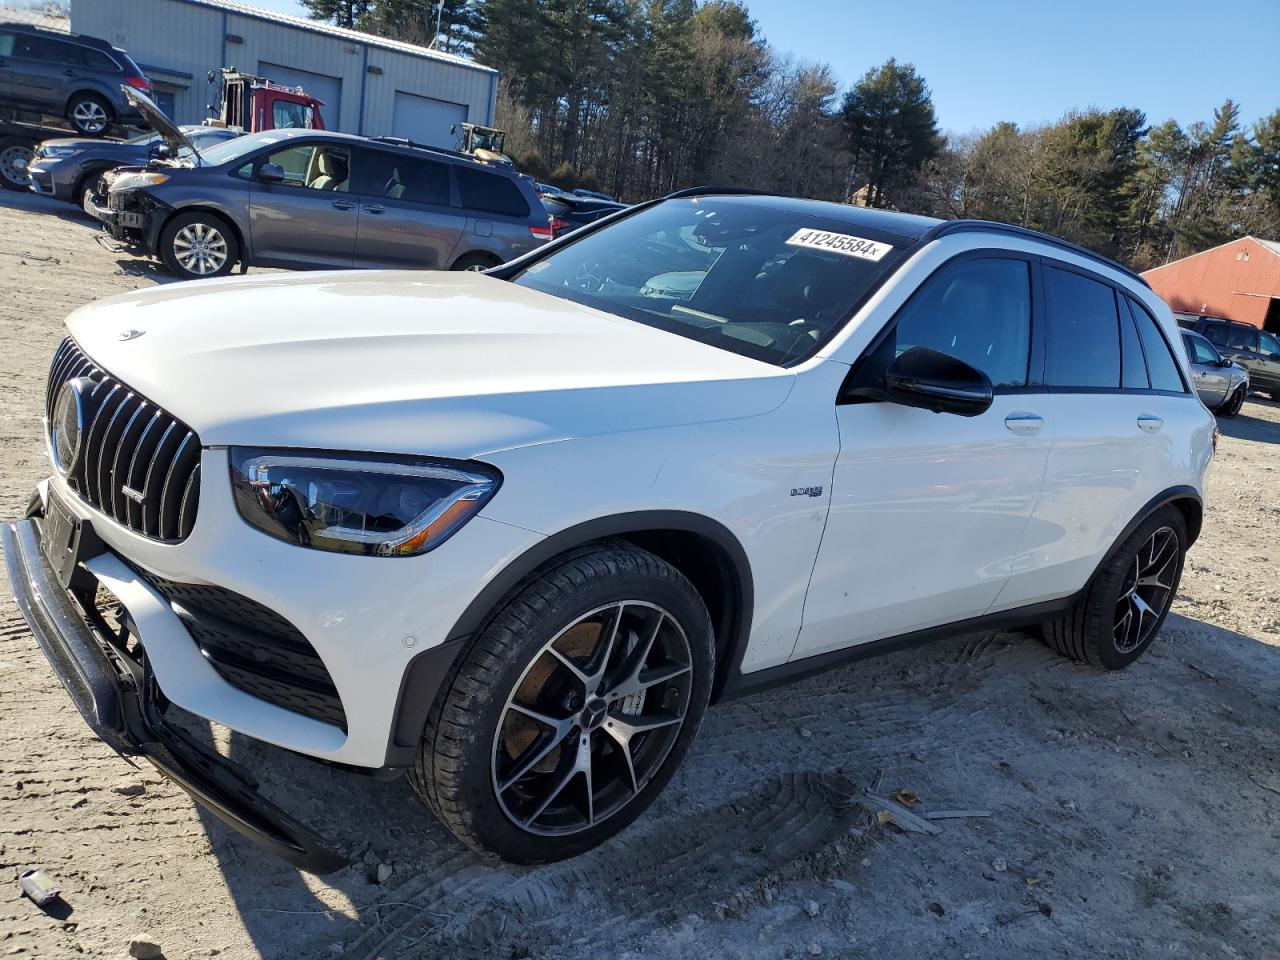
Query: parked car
[
  {"x": 65, "y": 168},
  {"x": 1258, "y": 351},
  {"x": 77, "y": 77},
  {"x": 1220, "y": 384},
  {"x": 592, "y": 195},
  {"x": 311, "y": 199},
  {"x": 514, "y": 532},
  {"x": 568, "y": 213}
]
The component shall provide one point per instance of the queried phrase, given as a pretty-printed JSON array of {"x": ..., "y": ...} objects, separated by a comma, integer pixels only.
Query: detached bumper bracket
[{"x": 125, "y": 711}]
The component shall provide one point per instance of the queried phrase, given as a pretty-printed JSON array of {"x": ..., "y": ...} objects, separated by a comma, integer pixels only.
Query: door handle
[
  {"x": 374, "y": 208},
  {"x": 1150, "y": 422},
  {"x": 1024, "y": 422},
  {"x": 343, "y": 204}
]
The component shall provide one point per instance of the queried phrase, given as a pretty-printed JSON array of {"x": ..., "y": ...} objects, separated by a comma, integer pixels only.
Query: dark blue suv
[{"x": 60, "y": 75}]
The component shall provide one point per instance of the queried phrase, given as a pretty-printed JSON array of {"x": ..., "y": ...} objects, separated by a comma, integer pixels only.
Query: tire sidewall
[
  {"x": 90, "y": 98},
  {"x": 175, "y": 224},
  {"x": 485, "y": 815},
  {"x": 1105, "y": 592}
]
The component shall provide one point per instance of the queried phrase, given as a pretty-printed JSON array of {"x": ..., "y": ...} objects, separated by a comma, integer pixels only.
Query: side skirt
[{"x": 740, "y": 684}]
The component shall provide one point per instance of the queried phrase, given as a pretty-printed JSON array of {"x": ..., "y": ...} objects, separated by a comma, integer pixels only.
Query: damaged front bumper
[
  {"x": 115, "y": 692},
  {"x": 132, "y": 218}
]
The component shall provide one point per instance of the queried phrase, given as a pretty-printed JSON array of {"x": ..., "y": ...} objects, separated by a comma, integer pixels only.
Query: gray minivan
[{"x": 315, "y": 199}]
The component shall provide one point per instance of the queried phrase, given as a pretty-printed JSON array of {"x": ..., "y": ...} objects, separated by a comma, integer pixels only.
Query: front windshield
[
  {"x": 764, "y": 281},
  {"x": 229, "y": 150}
]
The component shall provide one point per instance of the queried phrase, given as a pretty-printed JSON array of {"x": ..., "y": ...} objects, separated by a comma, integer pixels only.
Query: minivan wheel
[
  {"x": 1129, "y": 597},
  {"x": 476, "y": 262},
  {"x": 90, "y": 114},
  {"x": 1232, "y": 404},
  {"x": 198, "y": 245},
  {"x": 572, "y": 709}
]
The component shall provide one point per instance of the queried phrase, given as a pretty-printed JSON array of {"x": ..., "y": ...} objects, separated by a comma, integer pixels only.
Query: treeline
[{"x": 641, "y": 97}]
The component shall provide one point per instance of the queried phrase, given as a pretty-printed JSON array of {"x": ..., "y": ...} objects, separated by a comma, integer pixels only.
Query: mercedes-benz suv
[{"x": 514, "y": 532}]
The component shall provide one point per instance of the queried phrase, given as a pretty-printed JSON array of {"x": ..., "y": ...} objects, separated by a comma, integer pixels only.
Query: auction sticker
[{"x": 850, "y": 246}]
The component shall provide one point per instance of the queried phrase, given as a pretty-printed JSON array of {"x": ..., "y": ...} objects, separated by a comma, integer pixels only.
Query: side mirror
[
  {"x": 934, "y": 381},
  {"x": 1224, "y": 362},
  {"x": 271, "y": 173}
]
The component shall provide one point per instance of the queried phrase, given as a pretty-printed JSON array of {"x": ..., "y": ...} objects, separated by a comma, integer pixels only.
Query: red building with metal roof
[{"x": 1239, "y": 280}]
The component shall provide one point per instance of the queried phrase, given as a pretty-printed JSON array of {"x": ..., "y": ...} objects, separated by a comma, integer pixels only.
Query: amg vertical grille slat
[{"x": 128, "y": 442}]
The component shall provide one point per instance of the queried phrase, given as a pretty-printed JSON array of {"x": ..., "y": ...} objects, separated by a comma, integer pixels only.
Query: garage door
[
  {"x": 427, "y": 120},
  {"x": 319, "y": 85}
]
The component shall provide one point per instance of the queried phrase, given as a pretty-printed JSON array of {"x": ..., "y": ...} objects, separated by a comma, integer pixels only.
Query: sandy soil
[{"x": 1135, "y": 814}]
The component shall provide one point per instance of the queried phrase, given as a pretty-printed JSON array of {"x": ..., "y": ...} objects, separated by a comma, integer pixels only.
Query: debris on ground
[
  {"x": 38, "y": 888},
  {"x": 887, "y": 811},
  {"x": 141, "y": 948}
]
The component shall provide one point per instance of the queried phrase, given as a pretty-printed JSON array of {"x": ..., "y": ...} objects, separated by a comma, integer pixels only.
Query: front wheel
[
  {"x": 198, "y": 245},
  {"x": 573, "y": 708},
  {"x": 1129, "y": 597},
  {"x": 1231, "y": 406}
]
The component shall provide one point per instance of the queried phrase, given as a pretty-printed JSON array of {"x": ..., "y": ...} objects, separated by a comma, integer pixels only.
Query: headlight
[
  {"x": 60, "y": 153},
  {"x": 135, "y": 181},
  {"x": 377, "y": 506}
]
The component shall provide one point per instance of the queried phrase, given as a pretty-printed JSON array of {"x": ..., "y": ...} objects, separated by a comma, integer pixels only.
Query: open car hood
[{"x": 161, "y": 124}]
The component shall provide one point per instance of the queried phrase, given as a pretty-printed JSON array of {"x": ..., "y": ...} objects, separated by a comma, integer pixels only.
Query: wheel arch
[
  {"x": 1187, "y": 499},
  {"x": 222, "y": 215},
  {"x": 701, "y": 548},
  {"x": 89, "y": 91}
]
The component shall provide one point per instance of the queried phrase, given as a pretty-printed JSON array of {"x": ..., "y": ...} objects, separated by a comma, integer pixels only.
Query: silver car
[
  {"x": 1221, "y": 384},
  {"x": 301, "y": 198}
]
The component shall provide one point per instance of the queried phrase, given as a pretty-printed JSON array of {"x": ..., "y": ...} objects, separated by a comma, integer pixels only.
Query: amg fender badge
[{"x": 806, "y": 491}]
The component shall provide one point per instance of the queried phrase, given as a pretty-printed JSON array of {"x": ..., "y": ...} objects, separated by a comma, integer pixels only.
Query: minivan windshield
[
  {"x": 768, "y": 282},
  {"x": 230, "y": 150}
]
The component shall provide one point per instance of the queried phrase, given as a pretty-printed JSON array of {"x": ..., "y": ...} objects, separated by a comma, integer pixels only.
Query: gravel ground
[{"x": 1133, "y": 814}]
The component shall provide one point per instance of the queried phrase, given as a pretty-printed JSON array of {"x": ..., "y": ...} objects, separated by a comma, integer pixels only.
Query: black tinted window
[
  {"x": 1216, "y": 333},
  {"x": 48, "y": 49},
  {"x": 397, "y": 176},
  {"x": 491, "y": 193},
  {"x": 1161, "y": 366},
  {"x": 96, "y": 60},
  {"x": 978, "y": 311},
  {"x": 1133, "y": 365},
  {"x": 1240, "y": 337},
  {"x": 1083, "y": 342}
]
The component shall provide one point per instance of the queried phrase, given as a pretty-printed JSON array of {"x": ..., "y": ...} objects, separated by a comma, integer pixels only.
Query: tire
[
  {"x": 199, "y": 245},
  {"x": 1231, "y": 406},
  {"x": 90, "y": 114},
  {"x": 85, "y": 183},
  {"x": 485, "y": 767},
  {"x": 14, "y": 157},
  {"x": 1094, "y": 631},
  {"x": 475, "y": 262}
]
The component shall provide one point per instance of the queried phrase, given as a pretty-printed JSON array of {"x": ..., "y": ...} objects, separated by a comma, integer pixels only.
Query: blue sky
[{"x": 1030, "y": 61}]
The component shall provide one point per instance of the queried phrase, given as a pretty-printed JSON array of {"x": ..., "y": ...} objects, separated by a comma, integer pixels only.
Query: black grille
[
  {"x": 255, "y": 649},
  {"x": 138, "y": 464}
]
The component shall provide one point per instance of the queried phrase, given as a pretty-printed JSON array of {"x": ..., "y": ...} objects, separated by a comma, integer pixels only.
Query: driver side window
[{"x": 978, "y": 311}]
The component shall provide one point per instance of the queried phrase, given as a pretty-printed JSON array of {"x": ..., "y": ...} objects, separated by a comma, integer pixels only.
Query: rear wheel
[
  {"x": 197, "y": 245},
  {"x": 1129, "y": 597},
  {"x": 475, "y": 262},
  {"x": 15, "y": 155},
  {"x": 90, "y": 114},
  {"x": 573, "y": 708}
]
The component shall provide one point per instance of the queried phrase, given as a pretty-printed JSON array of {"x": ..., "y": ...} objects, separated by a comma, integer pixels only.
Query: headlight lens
[
  {"x": 136, "y": 181},
  {"x": 386, "y": 507}
]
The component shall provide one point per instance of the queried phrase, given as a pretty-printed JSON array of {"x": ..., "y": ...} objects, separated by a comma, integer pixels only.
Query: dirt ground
[{"x": 1133, "y": 814}]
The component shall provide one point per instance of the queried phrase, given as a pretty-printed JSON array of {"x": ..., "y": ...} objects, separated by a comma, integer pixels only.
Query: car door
[
  {"x": 1211, "y": 378},
  {"x": 1119, "y": 408},
  {"x": 1266, "y": 371},
  {"x": 406, "y": 217},
  {"x": 928, "y": 510},
  {"x": 310, "y": 217},
  {"x": 1240, "y": 343},
  {"x": 36, "y": 67}
]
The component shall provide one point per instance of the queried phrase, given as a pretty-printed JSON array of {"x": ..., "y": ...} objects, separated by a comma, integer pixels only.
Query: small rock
[
  {"x": 768, "y": 894},
  {"x": 337, "y": 948},
  {"x": 999, "y": 865},
  {"x": 384, "y": 872},
  {"x": 866, "y": 861},
  {"x": 17, "y": 785},
  {"x": 130, "y": 790},
  {"x": 814, "y": 950},
  {"x": 806, "y": 732},
  {"x": 936, "y": 908},
  {"x": 843, "y": 885},
  {"x": 811, "y": 907},
  {"x": 141, "y": 948}
]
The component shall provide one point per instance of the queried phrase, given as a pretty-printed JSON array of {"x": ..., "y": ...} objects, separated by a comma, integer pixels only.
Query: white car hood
[{"x": 444, "y": 364}]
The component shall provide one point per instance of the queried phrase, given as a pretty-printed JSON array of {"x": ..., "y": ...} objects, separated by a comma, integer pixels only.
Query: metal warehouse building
[
  {"x": 369, "y": 85},
  {"x": 1239, "y": 280}
]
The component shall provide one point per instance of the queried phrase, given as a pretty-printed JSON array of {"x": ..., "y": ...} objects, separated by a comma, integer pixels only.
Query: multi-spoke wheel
[
  {"x": 200, "y": 244},
  {"x": 1126, "y": 603},
  {"x": 573, "y": 708},
  {"x": 90, "y": 114}
]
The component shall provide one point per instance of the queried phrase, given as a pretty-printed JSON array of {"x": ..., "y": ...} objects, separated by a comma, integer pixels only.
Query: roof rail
[
  {"x": 414, "y": 145},
  {"x": 718, "y": 191},
  {"x": 948, "y": 227}
]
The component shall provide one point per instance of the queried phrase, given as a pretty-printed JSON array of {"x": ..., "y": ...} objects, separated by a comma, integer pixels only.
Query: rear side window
[
  {"x": 1161, "y": 366},
  {"x": 1268, "y": 345},
  {"x": 1216, "y": 333},
  {"x": 491, "y": 193},
  {"x": 6, "y": 44},
  {"x": 97, "y": 60},
  {"x": 397, "y": 176},
  {"x": 1240, "y": 337},
  {"x": 1083, "y": 343},
  {"x": 978, "y": 311}
]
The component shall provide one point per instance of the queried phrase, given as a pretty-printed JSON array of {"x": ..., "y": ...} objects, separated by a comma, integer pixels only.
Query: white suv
[{"x": 514, "y": 532}]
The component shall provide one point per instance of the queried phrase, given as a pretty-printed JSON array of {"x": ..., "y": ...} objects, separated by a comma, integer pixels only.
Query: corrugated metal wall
[
  {"x": 1236, "y": 280},
  {"x": 177, "y": 43}
]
